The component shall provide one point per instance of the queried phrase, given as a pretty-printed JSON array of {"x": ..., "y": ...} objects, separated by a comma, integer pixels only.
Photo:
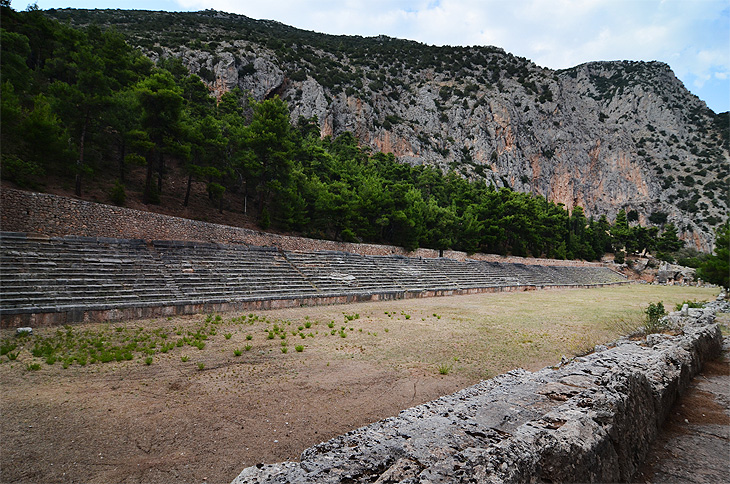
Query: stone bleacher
[{"x": 54, "y": 280}]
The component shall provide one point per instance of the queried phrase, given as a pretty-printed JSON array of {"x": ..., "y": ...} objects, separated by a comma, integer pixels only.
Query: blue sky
[{"x": 692, "y": 36}]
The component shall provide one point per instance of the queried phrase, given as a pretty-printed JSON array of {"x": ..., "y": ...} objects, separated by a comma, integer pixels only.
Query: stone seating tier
[{"x": 54, "y": 274}]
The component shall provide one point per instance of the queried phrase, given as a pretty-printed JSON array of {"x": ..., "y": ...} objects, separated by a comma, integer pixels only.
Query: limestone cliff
[{"x": 602, "y": 135}]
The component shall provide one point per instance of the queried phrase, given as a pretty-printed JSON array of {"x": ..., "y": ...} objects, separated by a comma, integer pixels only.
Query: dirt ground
[{"x": 201, "y": 415}]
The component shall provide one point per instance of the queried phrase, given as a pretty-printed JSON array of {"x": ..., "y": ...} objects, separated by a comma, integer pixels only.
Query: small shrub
[
  {"x": 654, "y": 314},
  {"x": 148, "y": 360},
  {"x": 118, "y": 195},
  {"x": 308, "y": 325},
  {"x": 237, "y": 352},
  {"x": 184, "y": 358},
  {"x": 8, "y": 346},
  {"x": 33, "y": 366},
  {"x": 299, "y": 348},
  {"x": 201, "y": 366},
  {"x": 444, "y": 369},
  {"x": 228, "y": 335},
  {"x": 247, "y": 347},
  {"x": 691, "y": 304},
  {"x": 284, "y": 349},
  {"x": 249, "y": 337}
]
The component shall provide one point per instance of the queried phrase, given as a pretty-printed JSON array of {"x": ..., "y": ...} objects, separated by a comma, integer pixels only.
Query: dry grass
[{"x": 487, "y": 334}]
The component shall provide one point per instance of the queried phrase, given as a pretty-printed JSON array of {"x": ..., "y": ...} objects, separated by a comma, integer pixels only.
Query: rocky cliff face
[{"x": 602, "y": 135}]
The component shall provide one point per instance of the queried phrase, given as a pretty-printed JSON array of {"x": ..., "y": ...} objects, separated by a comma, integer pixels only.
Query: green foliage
[
  {"x": 654, "y": 313},
  {"x": 118, "y": 195},
  {"x": 716, "y": 268},
  {"x": 690, "y": 304}
]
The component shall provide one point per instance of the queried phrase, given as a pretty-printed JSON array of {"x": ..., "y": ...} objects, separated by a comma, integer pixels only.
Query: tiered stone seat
[
  {"x": 205, "y": 271},
  {"x": 334, "y": 273},
  {"x": 415, "y": 274},
  {"x": 475, "y": 274},
  {"x": 77, "y": 274},
  {"x": 51, "y": 273}
]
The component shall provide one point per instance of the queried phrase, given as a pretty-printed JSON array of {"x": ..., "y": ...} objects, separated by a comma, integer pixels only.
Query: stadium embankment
[{"x": 65, "y": 260}]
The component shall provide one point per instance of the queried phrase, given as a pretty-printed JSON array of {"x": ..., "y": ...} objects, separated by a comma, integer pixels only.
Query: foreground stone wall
[
  {"x": 53, "y": 215},
  {"x": 590, "y": 420}
]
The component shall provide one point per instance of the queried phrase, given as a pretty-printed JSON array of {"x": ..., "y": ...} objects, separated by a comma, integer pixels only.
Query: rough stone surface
[
  {"x": 590, "y": 420},
  {"x": 694, "y": 444}
]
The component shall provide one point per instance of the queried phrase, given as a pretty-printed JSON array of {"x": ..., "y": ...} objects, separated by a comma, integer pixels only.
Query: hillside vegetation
[
  {"x": 84, "y": 105},
  {"x": 602, "y": 135}
]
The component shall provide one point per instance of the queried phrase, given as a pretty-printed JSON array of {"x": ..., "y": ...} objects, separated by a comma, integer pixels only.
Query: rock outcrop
[
  {"x": 602, "y": 135},
  {"x": 590, "y": 420}
]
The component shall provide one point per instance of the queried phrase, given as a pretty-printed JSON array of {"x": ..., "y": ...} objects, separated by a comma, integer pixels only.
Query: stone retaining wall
[
  {"x": 53, "y": 215},
  {"x": 590, "y": 420},
  {"x": 32, "y": 317}
]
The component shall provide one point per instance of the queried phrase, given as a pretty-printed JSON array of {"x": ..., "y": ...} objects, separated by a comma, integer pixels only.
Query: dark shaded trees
[{"x": 716, "y": 268}]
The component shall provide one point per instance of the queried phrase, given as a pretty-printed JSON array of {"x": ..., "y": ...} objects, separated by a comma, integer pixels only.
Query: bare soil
[{"x": 206, "y": 418}]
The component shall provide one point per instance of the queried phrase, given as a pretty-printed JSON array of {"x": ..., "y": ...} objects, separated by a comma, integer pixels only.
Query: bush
[
  {"x": 118, "y": 195},
  {"x": 654, "y": 314},
  {"x": 691, "y": 304}
]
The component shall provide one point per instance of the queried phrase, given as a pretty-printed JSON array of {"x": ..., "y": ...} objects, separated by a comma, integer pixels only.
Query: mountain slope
[{"x": 602, "y": 135}]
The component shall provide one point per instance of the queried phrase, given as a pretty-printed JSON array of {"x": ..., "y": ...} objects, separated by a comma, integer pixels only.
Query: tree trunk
[
  {"x": 187, "y": 190},
  {"x": 80, "y": 160},
  {"x": 122, "y": 155},
  {"x": 147, "y": 184},
  {"x": 160, "y": 171}
]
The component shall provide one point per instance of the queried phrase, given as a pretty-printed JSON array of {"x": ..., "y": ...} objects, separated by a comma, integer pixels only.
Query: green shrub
[
  {"x": 691, "y": 304},
  {"x": 118, "y": 195},
  {"x": 654, "y": 314}
]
